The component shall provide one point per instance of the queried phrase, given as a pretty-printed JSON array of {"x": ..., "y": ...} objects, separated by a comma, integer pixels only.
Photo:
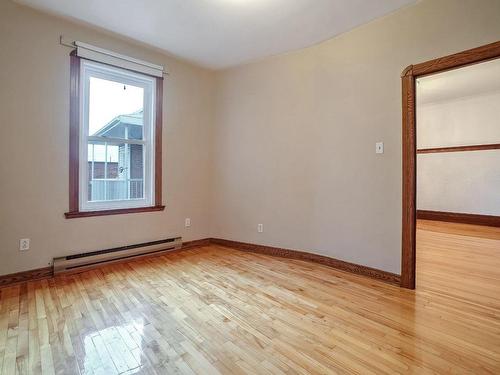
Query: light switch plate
[{"x": 379, "y": 147}]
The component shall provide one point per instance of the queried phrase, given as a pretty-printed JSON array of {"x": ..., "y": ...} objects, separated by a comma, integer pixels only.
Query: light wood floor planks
[
  {"x": 216, "y": 310},
  {"x": 460, "y": 261}
]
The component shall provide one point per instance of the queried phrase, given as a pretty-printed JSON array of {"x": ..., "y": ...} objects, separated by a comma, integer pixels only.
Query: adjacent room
[
  {"x": 458, "y": 183},
  {"x": 250, "y": 187}
]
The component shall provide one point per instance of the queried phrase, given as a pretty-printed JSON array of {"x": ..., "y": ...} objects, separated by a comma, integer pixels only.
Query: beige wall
[
  {"x": 34, "y": 79},
  {"x": 294, "y": 144}
]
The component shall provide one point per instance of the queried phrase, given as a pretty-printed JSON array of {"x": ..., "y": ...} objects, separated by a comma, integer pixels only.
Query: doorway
[
  {"x": 410, "y": 79},
  {"x": 458, "y": 183}
]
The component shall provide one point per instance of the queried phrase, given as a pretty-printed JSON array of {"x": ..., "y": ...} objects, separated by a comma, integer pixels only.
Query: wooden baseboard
[
  {"x": 456, "y": 217},
  {"x": 46, "y": 272},
  {"x": 301, "y": 255},
  {"x": 391, "y": 278},
  {"x": 18, "y": 277},
  {"x": 195, "y": 243}
]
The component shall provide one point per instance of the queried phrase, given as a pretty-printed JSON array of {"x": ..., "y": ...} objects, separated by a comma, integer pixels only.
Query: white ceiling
[
  {"x": 223, "y": 33},
  {"x": 468, "y": 81}
]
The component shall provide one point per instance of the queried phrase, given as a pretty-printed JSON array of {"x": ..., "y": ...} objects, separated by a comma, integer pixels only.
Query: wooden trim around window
[
  {"x": 408, "y": 77},
  {"x": 492, "y": 146},
  {"x": 158, "y": 139},
  {"x": 74, "y": 132},
  {"x": 119, "y": 211},
  {"x": 74, "y": 152},
  {"x": 457, "y": 217}
]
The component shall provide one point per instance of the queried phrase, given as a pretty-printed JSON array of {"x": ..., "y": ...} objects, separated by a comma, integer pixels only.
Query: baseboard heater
[{"x": 80, "y": 262}]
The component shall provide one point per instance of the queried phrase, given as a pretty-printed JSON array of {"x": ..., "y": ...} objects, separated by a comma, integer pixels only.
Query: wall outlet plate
[
  {"x": 24, "y": 244},
  {"x": 187, "y": 222},
  {"x": 260, "y": 228}
]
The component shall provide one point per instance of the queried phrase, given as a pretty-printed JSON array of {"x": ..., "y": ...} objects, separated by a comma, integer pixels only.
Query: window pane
[
  {"x": 136, "y": 171},
  {"x": 115, "y": 172},
  {"x": 116, "y": 110}
]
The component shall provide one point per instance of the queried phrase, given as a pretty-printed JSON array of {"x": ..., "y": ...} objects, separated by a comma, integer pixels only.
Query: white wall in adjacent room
[{"x": 461, "y": 115}]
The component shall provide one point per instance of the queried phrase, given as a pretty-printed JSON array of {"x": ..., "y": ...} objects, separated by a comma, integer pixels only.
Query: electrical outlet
[
  {"x": 260, "y": 228},
  {"x": 24, "y": 244},
  {"x": 187, "y": 222}
]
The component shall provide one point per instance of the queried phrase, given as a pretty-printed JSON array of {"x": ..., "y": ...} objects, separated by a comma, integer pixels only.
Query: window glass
[{"x": 116, "y": 110}]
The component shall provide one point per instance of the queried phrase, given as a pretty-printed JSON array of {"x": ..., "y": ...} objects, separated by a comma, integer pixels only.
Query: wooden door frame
[{"x": 410, "y": 74}]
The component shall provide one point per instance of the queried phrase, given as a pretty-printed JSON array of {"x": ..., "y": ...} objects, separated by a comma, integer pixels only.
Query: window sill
[{"x": 119, "y": 211}]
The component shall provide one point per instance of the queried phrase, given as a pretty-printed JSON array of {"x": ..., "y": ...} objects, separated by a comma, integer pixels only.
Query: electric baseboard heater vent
[{"x": 81, "y": 262}]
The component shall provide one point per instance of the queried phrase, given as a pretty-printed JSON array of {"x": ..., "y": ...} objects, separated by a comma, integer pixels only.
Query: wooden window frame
[
  {"x": 74, "y": 150},
  {"x": 408, "y": 78}
]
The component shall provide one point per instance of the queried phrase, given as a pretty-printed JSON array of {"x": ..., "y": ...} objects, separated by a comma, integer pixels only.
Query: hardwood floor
[
  {"x": 216, "y": 310},
  {"x": 460, "y": 261}
]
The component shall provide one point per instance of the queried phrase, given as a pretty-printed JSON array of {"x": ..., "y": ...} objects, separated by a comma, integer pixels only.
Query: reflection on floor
[{"x": 217, "y": 310}]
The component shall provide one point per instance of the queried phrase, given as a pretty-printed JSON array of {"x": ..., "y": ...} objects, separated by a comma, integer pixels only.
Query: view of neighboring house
[{"x": 117, "y": 172}]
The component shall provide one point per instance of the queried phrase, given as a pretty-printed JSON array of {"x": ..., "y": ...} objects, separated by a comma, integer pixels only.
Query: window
[
  {"x": 116, "y": 134},
  {"x": 114, "y": 118}
]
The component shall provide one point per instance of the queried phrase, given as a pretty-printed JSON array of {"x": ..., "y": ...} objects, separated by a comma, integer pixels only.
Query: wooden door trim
[{"x": 409, "y": 151}]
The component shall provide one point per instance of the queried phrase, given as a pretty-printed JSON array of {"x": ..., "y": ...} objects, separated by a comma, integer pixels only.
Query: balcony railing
[{"x": 106, "y": 189}]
